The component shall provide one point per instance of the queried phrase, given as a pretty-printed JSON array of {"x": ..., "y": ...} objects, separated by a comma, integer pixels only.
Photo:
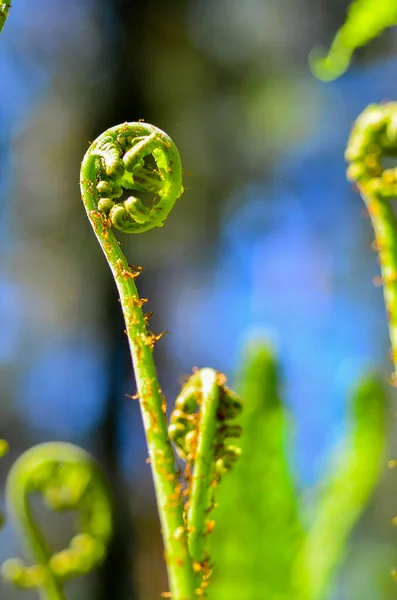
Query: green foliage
[
  {"x": 344, "y": 491},
  {"x": 68, "y": 479},
  {"x": 366, "y": 19},
  {"x": 3, "y": 451},
  {"x": 259, "y": 544},
  {"x": 263, "y": 546},
  {"x": 258, "y": 530},
  {"x": 4, "y": 8}
]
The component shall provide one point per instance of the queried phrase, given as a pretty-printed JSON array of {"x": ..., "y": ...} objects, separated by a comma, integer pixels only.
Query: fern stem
[
  {"x": 385, "y": 227},
  {"x": 374, "y": 137},
  {"x": 117, "y": 158},
  {"x": 203, "y": 466}
]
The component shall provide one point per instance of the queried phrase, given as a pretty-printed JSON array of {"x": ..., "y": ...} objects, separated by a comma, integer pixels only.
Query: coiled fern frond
[
  {"x": 68, "y": 479},
  {"x": 131, "y": 177}
]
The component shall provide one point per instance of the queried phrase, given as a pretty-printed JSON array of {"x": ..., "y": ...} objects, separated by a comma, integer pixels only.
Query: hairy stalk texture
[
  {"x": 4, "y": 8},
  {"x": 135, "y": 159},
  {"x": 68, "y": 479},
  {"x": 372, "y": 141},
  {"x": 201, "y": 427}
]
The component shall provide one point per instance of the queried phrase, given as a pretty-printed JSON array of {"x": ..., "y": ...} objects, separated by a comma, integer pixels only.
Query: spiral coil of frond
[{"x": 68, "y": 479}]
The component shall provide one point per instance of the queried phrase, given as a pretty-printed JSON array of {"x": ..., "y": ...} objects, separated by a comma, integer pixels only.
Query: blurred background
[{"x": 269, "y": 239}]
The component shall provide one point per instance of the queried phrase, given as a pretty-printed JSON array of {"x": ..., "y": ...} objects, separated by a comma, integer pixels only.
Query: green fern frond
[
  {"x": 344, "y": 493},
  {"x": 258, "y": 532}
]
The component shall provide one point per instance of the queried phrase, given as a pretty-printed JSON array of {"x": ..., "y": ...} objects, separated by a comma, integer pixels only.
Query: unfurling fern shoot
[
  {"x": 68, "y": 479},
  {"x": 143, "y": 159},
  {"x": 374, "y": 138}
]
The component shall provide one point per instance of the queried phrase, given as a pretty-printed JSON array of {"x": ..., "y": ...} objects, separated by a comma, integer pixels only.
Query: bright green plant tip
[
  {"x": 374, "y": 138},
  {"x": 139, "y": 158},
  {"x": 366, "y": 19},
  {"x": 4, "y": 8},
  {"x": 258, "y": 530},
  {"x": 344, "y": 492},
  {"x": 117, "y": 161},
  {"x": 68, "y": 479}
]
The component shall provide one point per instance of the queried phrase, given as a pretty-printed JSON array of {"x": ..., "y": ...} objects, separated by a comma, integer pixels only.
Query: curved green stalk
[
  {"x": 4, "y": 8},
  {"x": 68, "y": 479},
  {"x": 116, "y": 161},
  {"x": 374, "y": 137}
]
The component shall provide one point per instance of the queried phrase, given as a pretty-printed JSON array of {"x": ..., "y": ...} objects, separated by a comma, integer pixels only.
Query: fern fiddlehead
[
  {"x": 372, "y": 140},
  {"x": 68, "y": 479},
  {"x": 142, "y": 158},
  {"x": 116, "y": 161},
  {"x": 4, "y": 8},
  {"x": 200, "y": 426}
]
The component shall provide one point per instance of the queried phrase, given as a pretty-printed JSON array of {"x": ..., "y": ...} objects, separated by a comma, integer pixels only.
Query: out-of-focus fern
[
  {"x": 344, "y": 492},
  {"x": 366, "y": 19},
  {"x": 4, "y": 8},
  {"x": 258, "y": 532},
  {"x": 259, "y": 543}
]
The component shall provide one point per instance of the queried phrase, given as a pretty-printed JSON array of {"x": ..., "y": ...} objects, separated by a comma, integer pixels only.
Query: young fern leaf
[
  {"x": 4, "y": 8},
  {"x": 68, "y": 479},
  {"x": 344, "y": 493},
  {"x": 258, "y": 530},
  {"x": 141, "y": 158},
  {"x": 374, "y": 138},
  {"x": 366, "y": 19},
  {"x": 201, "y": 427}
]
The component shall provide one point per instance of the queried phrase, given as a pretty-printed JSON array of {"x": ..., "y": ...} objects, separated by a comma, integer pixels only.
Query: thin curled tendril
[
  {"x": 4, "y": 8},
  {"x": 201, "y": 426},
  {"x": 373, "y": 140},
  {"x": 68, "y": 479},
  {"x": 122, "y": 163}
]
